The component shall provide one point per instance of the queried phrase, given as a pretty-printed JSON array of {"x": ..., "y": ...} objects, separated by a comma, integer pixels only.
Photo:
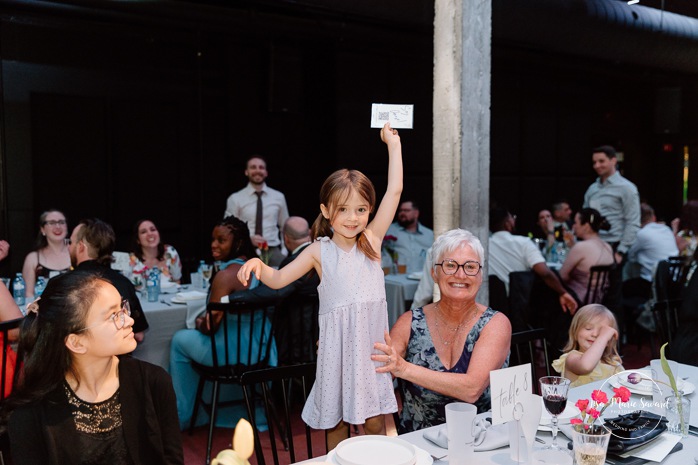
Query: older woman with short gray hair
[{"x": 444, "y": 352}]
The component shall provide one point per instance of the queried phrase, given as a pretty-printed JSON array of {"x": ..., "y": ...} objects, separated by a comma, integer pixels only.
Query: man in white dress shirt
[{"x": 264, "y": 226}]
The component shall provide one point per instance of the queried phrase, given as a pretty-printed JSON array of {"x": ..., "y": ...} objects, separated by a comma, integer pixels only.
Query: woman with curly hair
[{"x": 231, "y": 247}]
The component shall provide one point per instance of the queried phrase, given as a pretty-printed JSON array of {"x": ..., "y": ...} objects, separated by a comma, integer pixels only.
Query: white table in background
[
  {"x": 163, "y": 322},
  {"x": 501, "y": 456},
  {"x": 398, "y": 290}
]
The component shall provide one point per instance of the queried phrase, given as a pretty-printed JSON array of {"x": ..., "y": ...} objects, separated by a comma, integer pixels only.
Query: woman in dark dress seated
[
  {"x": 79, "y": 401},
  {"x": 50, "y": 256},
  {"x": 444, "y": 352}
]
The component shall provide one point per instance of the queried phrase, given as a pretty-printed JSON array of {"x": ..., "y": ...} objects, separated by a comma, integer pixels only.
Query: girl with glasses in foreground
[{"x": 78, "y": 401}]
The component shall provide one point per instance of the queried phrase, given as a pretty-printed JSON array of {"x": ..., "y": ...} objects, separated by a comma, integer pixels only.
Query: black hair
[
  {"x": 242, "y": 244},
  {"x": 594, "y": 218},
  {"x": 607, "y": 149},
  {"x": 61, "y": 311},
  {"x": 41, "y": 241},
  {"x": 99, "y": 236},
  {"x": 498, "y": 216}
]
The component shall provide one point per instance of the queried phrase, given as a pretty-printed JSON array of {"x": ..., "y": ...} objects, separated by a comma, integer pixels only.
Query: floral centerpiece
[
  {"x": 389, "y": 246},
  {"x": 591, "y": 410},
  {"x": 263, "y": 252}
]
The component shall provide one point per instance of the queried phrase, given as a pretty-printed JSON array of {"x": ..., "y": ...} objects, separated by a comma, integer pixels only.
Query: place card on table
[
  {"x": 399, "y": 116},
  {"x": 511, "y": 390}
]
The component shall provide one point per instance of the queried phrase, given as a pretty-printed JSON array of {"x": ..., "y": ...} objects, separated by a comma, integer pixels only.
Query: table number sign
[
  {"x": 511, "y": 391},
  {"x": 399, "y": 116}
]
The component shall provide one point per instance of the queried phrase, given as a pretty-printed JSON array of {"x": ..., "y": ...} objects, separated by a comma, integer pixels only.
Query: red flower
[
  {"x": 621, "y": 393},
  {"x": 390, "y": 238},
  {"x": 582, "y": 405},
  {"x": 599, "y": 396},
  {"x": 593, "y": 412},
  {"x": 576, "y": 421},
  {"x": 263, "y": 245}
]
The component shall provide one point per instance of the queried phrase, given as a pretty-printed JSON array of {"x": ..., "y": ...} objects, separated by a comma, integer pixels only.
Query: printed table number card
[
  {"x": 511, "y": 389},
  {"x": 400, "y": 116}
]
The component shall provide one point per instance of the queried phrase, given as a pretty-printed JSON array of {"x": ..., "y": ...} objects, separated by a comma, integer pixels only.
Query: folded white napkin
[
  {"x": 487, "y": 438},
  {"x": 165, "y": 282},
  {"x": 190, "y": 295}
]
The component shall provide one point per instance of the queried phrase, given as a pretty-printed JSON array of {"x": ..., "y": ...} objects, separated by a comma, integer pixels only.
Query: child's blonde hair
[
  {"x": 583, "y": 316},
  {"x": 335, "y": 191}
]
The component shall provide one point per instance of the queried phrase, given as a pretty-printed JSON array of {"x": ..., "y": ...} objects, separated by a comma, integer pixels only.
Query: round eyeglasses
[
  {"x": 450, "y": 267},
  {"x": 118, "y": 318},
  {"x": 55, "y": 223}
]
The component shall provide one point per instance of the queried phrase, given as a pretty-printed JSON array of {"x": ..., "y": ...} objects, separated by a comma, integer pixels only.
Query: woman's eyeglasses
[
  {"x": 55, "y": 223},
  {"x": 118, "y": 318},
  {"x": 450, "y": 267}
]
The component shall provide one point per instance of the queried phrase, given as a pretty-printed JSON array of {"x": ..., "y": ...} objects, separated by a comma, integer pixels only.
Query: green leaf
[{"x": 667, "y": 370}]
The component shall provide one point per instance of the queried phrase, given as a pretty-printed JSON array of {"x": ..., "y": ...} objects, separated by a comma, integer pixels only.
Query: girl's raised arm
[
  {"x": 391, "y": 199},
  {"x": 276, "y": 279}
]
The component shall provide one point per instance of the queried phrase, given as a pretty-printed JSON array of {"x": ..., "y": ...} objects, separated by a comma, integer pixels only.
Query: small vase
[
  {"x": 591, "y": 445},
  {"x": 674, "y": 411}
]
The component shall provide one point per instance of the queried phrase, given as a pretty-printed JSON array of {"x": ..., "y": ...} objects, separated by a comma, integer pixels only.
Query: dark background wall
[{"x": 129, "y": 110}]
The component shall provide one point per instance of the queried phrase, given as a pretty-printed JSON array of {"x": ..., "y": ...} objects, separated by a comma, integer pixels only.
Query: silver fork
[{"x": 163, "y": 301}]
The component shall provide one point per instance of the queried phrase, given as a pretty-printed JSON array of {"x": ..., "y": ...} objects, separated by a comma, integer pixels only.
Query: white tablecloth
[
  {"x": 501, "y": 456},
  {"x": 398, "y": 290}
]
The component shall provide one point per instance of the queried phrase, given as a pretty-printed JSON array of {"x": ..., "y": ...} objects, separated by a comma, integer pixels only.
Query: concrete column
[{"x": 462, "y": 72}]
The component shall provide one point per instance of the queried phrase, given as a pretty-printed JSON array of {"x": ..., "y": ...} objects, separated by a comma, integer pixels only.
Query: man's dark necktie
[{"x": 260, "y": 212}]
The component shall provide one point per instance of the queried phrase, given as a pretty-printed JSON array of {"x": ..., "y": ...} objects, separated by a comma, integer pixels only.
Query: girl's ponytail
[{"x": 321, "y": 227}]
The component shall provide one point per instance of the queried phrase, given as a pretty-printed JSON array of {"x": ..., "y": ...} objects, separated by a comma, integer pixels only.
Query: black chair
[
  {"x": 666, "y": 319},
  {"x": 275, "y": 383},
  {"x": 12, "y": 359},
  {"x": 521, "y": 285},
  {"x": 530, "y": 346},
  {"x": 498, "y": 294},
  {"x": 599, "y": 283},
  {"x": 241, "y": 322},
  {"x": 670, "y": 278},
  {"x": 296, "y": 328}
]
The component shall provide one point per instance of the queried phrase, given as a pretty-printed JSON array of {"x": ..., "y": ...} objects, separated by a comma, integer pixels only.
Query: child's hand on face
[
  {"x": 389, "y": 135},
  {"x": 253, "y": 265},
  {"x": 609, "y": 332}
]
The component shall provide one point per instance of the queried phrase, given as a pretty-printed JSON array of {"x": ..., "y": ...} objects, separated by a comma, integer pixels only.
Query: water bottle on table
[
  {"x": 39, "y": 286},
  {"x": 152, "y": 286},
  {"x": 18, "y": 289}
]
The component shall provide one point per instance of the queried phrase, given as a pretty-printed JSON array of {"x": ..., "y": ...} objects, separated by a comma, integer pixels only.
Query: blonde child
[
  {"x": 591, "y": 353},
  {"x": 353, "y": 313}
]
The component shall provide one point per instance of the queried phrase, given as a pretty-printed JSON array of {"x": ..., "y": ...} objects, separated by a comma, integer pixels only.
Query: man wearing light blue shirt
[
  {"x": 617, "y": 199},
  {"x": 413, "y": 238},
  {"x": 654, "y": 242}
]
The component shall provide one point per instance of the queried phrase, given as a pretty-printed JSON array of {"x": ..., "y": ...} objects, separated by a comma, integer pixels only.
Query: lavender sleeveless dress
[{"x": 353, "y": 315}]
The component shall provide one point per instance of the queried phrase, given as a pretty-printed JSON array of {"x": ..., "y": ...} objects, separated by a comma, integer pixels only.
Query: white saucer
[
  {"x": 686, "y": 386},
  {"x": 175, "y": 300},
  {"x": 417, "y": 275},
  {"x": 422, "y": 457}
]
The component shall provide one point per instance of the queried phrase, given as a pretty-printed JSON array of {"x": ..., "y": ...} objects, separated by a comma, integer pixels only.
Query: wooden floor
[{"x": 195, "y": 445}]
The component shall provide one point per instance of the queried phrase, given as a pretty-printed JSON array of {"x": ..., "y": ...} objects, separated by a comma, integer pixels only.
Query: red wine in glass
[{"x": 555, "y": 404}]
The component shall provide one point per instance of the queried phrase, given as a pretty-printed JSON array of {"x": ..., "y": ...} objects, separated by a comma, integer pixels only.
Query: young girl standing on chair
[
  {"x": 591, "y": 353},
  {"x": 353, "y": 312}
]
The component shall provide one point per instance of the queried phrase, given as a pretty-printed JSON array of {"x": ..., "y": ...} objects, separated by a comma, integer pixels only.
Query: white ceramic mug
[{"x": 460, "y": 420}]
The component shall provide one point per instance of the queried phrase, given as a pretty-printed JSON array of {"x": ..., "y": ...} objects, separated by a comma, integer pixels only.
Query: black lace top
[{"x": 100, "y": 432}]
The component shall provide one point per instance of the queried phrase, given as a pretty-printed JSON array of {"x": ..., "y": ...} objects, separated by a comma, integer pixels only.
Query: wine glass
[
  {"x": 206, "y": 271},
  {"x": 554, "y": 390}
]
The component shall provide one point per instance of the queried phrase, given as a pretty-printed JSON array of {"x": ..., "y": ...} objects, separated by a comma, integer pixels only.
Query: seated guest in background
[
  {"x": 547, "y": 230},
  {"x": 149, "y": 251},
  {"x": 444, "y": 352},
  {"x": 654, "y": 242},
  {"x": 232, "y": 247},
  {"x": 80, "y": 400},
  {"x": 589, "y": 251},
  {"x": 91, "y": 247},
  {"x": 686, "y": 228},
  {"x": 295, "y": 315},
  {"x": 562, "y": 213},
  {"x": 518, "y": 253},
  {"x": 413, "y": 238},
  {"x": 50, "y": 256},
  {"x": 426, "y": 292}
]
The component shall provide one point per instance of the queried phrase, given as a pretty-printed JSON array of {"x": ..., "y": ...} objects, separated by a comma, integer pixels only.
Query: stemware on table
[{"x": 554, "y": 391}]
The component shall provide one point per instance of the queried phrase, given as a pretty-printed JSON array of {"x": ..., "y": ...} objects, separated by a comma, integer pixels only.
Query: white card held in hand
[{"x": 399, "y": 116}]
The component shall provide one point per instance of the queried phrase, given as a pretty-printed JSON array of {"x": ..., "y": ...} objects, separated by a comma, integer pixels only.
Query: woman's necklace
[{"x": 455, "y": 330}]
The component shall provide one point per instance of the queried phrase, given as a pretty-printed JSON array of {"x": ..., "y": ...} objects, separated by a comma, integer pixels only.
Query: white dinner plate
[
  {"x": 366, "y": 450},
  {"x": 686, "y": 386},
  {"x": 417, "y": 275},
  {"x": 423, "y": 457},
  {"x": 564, "y": 418},
  {"x": 175, "y": 300},
  {"x": 644, "y": 385}
]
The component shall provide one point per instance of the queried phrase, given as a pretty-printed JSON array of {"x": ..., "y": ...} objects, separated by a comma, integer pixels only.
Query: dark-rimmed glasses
[
  {"x": 450, "y": 267},
  {"x": 55, "y": 223},
  {"x": 118, "y": 318}
]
